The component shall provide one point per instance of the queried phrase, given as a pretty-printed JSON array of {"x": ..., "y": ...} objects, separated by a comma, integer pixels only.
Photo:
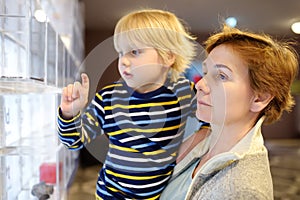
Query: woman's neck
[
  {"x": 227, "y": 136},
  {"x": 224, "y": 138}
]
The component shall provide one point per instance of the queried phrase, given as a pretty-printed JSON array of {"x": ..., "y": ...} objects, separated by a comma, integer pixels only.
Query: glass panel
[
  {"x": 15, "y": 7},
  {"x": 10, "y": 176},
  {"x": 14, "y": 57},
  {"x": 17, "y": 29},
  {"x": 10, "y": 110},
  {"x": 37, "y": 50},
  {"x": 61, "y": 62},
  {"x": 51, "y": 56},
  {"x": 1, "y": 53}
]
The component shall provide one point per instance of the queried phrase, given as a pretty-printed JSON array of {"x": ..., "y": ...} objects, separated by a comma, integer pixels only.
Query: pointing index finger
[{"x": 85, "y": 80}]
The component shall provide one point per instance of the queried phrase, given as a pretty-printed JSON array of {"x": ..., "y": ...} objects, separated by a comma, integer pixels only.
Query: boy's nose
[{"x": 124, "y": 61}]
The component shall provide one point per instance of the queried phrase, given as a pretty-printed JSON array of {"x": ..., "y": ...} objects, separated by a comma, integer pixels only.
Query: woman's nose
[{"x": 203, "y": 86}]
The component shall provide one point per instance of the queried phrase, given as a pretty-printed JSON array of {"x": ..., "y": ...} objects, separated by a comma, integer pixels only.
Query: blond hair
[
  {"x": 272, "y": 66},
  {"x": 161, "y": 30}
]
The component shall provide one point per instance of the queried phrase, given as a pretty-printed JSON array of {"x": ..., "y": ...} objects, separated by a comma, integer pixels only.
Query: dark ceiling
[{"x": 269, "y": 16}]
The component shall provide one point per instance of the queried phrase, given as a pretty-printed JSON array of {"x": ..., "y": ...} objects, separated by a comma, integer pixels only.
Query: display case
[{"x": 37, "y": 58}]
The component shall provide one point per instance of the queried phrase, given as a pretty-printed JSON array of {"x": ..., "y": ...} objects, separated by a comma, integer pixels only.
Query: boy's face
[{"x": 141, "y": 67}]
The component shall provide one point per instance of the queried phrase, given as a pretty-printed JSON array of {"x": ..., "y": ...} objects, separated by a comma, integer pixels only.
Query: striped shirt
[{"x": 144, "y": 131}]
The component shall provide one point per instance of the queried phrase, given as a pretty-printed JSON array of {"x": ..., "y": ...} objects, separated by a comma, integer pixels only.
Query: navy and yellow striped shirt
[{"x": 144, "y": 131}]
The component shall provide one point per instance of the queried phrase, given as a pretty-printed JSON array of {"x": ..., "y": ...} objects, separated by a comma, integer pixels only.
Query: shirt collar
[{"x": 252, "y": 142}]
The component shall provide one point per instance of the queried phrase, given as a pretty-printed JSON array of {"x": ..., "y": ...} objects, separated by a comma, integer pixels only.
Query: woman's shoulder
[{"x": 248, "y": 178}]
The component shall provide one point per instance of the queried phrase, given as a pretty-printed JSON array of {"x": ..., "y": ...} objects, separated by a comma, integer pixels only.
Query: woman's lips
[{"x": 203, "y": 103}]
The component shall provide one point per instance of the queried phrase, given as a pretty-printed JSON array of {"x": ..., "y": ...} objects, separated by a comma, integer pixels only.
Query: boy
[{"x": 144, "y": 115}]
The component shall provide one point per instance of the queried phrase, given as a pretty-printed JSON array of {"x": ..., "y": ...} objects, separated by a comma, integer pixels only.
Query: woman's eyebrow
[{"x": 218, "y": 66}]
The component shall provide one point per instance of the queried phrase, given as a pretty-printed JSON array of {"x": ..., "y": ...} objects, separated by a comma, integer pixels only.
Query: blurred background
[{"x": 46, "y": 44}]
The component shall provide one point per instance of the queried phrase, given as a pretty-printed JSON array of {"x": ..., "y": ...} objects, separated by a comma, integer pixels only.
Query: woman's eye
[{"x": 222, "y": 76}]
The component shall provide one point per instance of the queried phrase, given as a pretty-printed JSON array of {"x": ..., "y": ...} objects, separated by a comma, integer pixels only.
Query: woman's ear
[
  {"x": 170, "y": 59},
  {"x": 260, "y": 101}
]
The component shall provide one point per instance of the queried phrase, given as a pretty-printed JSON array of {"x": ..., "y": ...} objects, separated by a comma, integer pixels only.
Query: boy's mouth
[{"x": 127, "y": 74}]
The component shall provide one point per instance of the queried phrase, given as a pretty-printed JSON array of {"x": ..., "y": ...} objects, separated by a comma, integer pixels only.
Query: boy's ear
[
  {"x": 170, "y": 59},
  {"x": 260, "y": 101}
]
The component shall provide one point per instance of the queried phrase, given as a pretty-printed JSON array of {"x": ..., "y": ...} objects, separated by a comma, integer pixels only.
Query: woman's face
[{"x": 224, "y": 95}]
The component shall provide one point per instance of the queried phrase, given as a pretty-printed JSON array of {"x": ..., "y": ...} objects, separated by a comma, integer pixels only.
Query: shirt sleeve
[{"x": 84, "y": 127}]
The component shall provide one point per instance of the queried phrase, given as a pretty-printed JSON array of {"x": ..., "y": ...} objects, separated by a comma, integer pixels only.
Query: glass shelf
[
  {"x": 25, "y": 86},
  {"x": 35, "y": 63}
]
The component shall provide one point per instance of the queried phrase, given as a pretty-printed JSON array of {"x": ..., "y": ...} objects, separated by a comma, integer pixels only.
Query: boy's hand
[{"x": 75, "y": 97}]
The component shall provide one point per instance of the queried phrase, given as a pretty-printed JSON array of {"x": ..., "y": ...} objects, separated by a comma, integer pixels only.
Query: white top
[{"x": 241, "y": 173}]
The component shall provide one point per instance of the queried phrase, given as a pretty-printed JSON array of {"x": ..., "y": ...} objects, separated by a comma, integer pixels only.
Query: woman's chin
[{"x": 203, "y": 117}]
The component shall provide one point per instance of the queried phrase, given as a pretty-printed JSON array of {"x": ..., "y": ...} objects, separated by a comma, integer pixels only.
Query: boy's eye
[{"x": 135, "y": 52}]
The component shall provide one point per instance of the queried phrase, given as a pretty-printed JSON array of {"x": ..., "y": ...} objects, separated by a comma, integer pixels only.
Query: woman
[{"x": 247, "y": 82}]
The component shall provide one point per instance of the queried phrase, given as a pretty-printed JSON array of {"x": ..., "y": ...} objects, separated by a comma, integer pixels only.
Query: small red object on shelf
[{"x": 48, "y": 172}]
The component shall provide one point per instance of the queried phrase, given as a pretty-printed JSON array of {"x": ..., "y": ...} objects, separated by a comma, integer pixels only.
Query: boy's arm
[
  {"x": 75, "y": 128},
  {"x": 70, "y": 131},
  {"x": 81, "y": 129},
  {"x": 192, "y": 141}
]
